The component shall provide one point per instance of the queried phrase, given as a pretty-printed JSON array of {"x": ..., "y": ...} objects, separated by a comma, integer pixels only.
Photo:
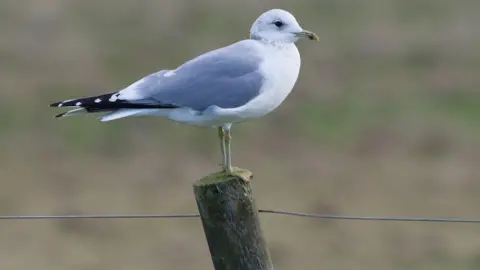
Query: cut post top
[{"x": 220, "y": 177}]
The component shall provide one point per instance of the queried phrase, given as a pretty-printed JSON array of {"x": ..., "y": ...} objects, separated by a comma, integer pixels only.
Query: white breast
[{"x": 281, "y": 69}]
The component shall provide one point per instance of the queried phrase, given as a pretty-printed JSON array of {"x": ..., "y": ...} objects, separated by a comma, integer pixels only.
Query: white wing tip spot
[
  {"x": 113, "y": 98},
  {"x": 98, "y": 100},
  {"x": 78, "y": 104},
  {"x": 60, "y": 105}
]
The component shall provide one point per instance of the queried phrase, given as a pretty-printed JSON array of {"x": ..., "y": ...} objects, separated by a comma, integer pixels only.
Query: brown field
[{"x": 384, "y": 121}]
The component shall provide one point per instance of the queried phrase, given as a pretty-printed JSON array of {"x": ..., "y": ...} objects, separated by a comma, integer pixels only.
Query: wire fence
[{"x": 296, "y": 214}]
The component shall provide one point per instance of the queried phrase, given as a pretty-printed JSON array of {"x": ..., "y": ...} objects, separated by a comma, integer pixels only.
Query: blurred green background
[{"x": 384, "y": 120}]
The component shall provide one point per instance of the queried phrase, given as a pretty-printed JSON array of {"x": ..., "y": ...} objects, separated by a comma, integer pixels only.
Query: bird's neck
[{"x": 275, "y": 43}]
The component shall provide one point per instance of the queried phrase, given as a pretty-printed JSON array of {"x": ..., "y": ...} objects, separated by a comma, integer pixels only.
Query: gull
[{"x": 222, "y": 87}]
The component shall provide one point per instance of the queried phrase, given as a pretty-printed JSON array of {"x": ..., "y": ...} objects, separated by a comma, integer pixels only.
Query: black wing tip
[
  {"x": 66, "y": 103},
  {"x": 56, "y": 104},
  {"x": 103, "y": 102},
  {"x": 59, "y": 115}
]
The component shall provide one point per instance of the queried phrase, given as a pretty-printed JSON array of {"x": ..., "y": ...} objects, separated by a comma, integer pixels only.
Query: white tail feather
[{"x": 131, "y": 112}]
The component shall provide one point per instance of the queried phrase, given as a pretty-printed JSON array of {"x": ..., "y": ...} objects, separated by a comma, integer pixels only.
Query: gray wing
[{"x": 228, "y": 77}]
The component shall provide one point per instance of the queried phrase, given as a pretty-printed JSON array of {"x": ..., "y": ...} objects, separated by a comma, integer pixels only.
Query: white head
[{"x": 280, "y": 26}]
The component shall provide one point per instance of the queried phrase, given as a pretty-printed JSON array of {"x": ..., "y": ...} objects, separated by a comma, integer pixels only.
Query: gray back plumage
[{"x": 228, "y": 77}]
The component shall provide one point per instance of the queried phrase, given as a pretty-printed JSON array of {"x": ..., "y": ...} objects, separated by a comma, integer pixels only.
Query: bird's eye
[{"x": 278, "y": 23}]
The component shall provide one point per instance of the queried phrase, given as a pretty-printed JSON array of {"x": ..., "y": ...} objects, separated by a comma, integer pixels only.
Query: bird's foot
[{"x": 227, "y": 169}]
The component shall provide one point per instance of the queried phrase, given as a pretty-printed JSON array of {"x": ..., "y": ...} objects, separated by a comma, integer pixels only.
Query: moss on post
[{"x": 230, "y": 221}]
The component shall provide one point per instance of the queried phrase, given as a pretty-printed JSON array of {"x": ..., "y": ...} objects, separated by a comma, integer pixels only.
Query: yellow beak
[{"x": 308, "y": 34}]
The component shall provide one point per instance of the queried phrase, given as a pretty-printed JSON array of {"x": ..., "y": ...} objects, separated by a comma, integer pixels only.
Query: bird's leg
[
  {"x": 221, "y": 136},
  {"x": 228, "y": 137}
]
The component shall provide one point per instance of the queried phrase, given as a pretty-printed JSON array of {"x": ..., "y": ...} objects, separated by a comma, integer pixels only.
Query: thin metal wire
[
  {"x": 316, "y": 216},
  {"x": 421, "y": 219},
  {"x": 99, "y": 216}
]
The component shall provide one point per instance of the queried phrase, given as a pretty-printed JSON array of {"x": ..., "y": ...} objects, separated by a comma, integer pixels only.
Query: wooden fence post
[{"x": 230, "y": 221}]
